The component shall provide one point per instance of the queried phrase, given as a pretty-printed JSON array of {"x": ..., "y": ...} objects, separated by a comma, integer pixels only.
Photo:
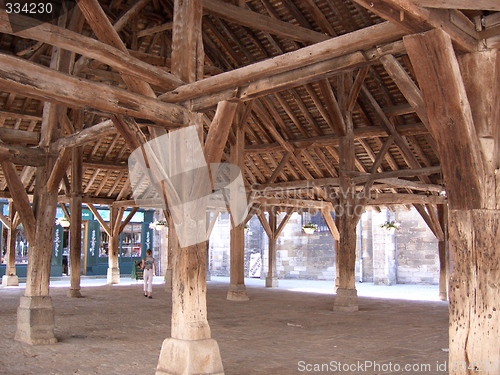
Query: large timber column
[
  {"x": 462, "y": 99},
  {"x": 272, "y": 273},
  {"x": 172, "y": 246},
  {"x": 443, "y": 252},
  {"x": 273, "y": 231},
  {"x": 346, "y": 298},
  {"x": 237, "y": 290},
  {"x": 35, "y": 314},
  {"x": 115, "y": 218},
  {"x": 10, "y": 278},
  {"x": 190, "y": 349},
  {"x": 75, "y": 231}
]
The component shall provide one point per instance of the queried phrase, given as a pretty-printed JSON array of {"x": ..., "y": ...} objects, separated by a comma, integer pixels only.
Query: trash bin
[{"x": 137, "y": 272}]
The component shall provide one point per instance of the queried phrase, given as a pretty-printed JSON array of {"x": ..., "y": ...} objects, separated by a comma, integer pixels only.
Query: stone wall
[{"x": 409, "y": 255}]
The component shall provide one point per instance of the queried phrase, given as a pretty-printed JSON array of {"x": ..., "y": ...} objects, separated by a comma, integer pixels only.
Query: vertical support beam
[
  {"x": 449, "y": 91},
  {"x": 237, "y": 290},
  {"x": 347, "y": 297},
  {"x": 172, "y": 246},
  {"x": 75, "y": 231},
  {"x": 272, "y": 274},
  {"x": 113, "y": 276},
  {"x": 35, "y": 314},
  {"x": 443, "y": 252},
  {"x": 10, "y": 278},
  {"x": 190, "y": 349}
]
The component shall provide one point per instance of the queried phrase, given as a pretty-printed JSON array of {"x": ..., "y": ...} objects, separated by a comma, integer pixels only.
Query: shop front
[{"x": 135, "y": 239}]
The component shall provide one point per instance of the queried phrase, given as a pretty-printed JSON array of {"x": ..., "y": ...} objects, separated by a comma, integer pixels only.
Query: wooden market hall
[{"x": 329, "y": 106}]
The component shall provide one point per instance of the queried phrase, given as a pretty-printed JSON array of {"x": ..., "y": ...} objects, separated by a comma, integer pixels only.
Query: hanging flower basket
[
  {"x": 158, "y": 225},
  {"x": 390, "y": 226},
  {"x": 309, "y": 228},
  {"x": 63, "y": 222}
]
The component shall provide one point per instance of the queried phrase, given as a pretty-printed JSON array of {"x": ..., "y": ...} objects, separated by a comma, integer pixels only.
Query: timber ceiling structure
[{"x": 306, "y": 72}]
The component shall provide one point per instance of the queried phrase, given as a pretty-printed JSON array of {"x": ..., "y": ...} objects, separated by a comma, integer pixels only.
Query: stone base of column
[
  {"x": 346, "y": 300},
  {"x": 74, "y": 293},
  {"x": 10, "y": 280},
  {"x": 35, "y": 321},
  {"x": 113, "y": 276},
  {"x": 237, "y": 292},
  {"x": 189, "y": 357},
  {"x": 168, "y": 280},
  {"x": 443, "y": 296},
  {"x": 271, "y": 282}
]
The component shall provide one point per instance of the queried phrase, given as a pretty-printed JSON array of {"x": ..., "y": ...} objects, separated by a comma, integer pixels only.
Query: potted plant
[
  {"x": 390, "y": 226},
  {"x": 158, "y": 225},
  {"x": 309, "y": 228}
]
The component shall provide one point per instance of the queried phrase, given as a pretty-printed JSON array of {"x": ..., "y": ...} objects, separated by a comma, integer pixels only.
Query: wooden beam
[
  {"x": 330, "y": 223},
  {"x": 436, "y": 229},
  {"x": 19, "y": 136},
  {"x": 22, "y": 155},
  {"x": 128, "y": 218},
  {"x": 284, "y": 221},
  {"x": 71, "y": 41},
  {"x": 405, "y": 199},
  {"x": 219, "y": 131},
  {"x": 335, "y": 47},
  {"x": 406, "y": 85},
  {"x": 28, "y": 79},
  {"x": 59, "y": 170},
  {"x": 99, "y": 218},
  {"x": 5, "y": 221},
  {"x": 86, "y": 135},
  {"x": 450, "y": 116},
  {"x": 20, "y": 198},
  {"x": 265, "y": 224},
  {"x": 337, "y": 120},
  {"x": 414, "y": 19},
  {"x": 333, "y": 140},
  {"x": 257, "y": 21},
  {"x": 459, "y": 4}
]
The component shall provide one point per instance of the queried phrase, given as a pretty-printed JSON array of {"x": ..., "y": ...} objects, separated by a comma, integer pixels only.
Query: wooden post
[
  {"x": 237, "y": 290},
  {"x": 190, "y": 349},
  {"x": 346, "y": 296},
  {"x": 173, "y": 246},
  {"x": 75, "y": 231},
  {"x": 10, "y": 278},
  {"x": 35, "y": 315},
  {"x": 462, "y": 99},
  {"x": 272, "y": 275},
  {"x": 443, "y": 252},
  {"x": 115, "y": 218}
]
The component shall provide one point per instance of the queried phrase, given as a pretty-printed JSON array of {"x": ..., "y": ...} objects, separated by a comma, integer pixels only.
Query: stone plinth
[
  {"x": 113, "y": 276},
  {"x": 271, "y": 282},
  {"x": 74, "y": 293},
  {"x": 10, "y": 280},
  {"x": 237, "y": 292},
  {"x": 189, "y": 357},
  {"x": 35, "y": 320},
  {"x": 346, "y": 300}
]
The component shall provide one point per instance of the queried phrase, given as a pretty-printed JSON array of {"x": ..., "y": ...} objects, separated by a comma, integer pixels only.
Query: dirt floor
[{"x": 115, "y": 330}]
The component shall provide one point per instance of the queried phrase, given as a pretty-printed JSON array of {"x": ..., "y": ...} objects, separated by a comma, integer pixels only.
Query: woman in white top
[{"x": 149, "y": 267}]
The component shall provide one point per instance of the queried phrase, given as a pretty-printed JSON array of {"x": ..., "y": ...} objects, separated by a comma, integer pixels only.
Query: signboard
[
  {"x": 93, "y": 242},
  {"x": 57, "y": 248}
]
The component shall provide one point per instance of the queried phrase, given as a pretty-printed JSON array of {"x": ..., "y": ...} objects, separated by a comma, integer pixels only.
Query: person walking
[{"x": 149, "y": 267}]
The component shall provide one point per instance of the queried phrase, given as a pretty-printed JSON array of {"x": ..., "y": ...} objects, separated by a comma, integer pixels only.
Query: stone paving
[{"x": 287, "y": 330}]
